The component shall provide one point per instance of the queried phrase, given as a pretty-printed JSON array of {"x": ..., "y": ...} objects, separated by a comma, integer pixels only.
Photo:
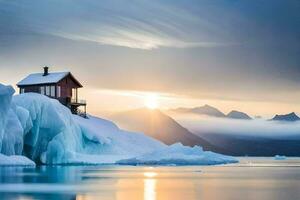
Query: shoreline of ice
[{"x": 35, "y": 128}]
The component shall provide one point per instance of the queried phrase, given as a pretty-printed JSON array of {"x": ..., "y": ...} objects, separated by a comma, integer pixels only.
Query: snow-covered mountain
[
  {"x": 212, "y": 112},
  {"x": 237, "y": 115},
  {"x": 160, "y": 126},
  {"x": 36, "y": 128},
  {"x": 291, "y": 117},
  {"x": 202, "y": 110}
]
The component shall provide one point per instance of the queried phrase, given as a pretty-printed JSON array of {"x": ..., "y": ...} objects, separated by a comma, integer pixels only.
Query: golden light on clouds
[{"x": 104, "y": 101}]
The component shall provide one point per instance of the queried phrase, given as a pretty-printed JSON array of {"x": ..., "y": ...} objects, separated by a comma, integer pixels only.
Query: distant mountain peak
[
  {"x": 202, "y": 110},
  {"x": 234, "y": 114},
  {"x": 207, "y": 106},
  {"x": 287, "y": 117},
  {"x": 209, "y": 110},
  {"x": 158, "y": 125}
]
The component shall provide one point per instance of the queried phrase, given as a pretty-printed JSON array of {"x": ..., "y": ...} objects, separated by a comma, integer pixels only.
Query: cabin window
[
  {"x": 48, "y": 90},
  {"x": 42, "y": 90},
  {"x": 74, "y": 94},
  {"x": 52, "y": 91},
  {"x": 22, "y": 90},
  {"x": 58, "y": 91}
]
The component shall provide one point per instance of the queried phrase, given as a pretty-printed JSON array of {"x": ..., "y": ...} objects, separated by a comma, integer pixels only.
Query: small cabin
[{"x": 62, "y": 86}]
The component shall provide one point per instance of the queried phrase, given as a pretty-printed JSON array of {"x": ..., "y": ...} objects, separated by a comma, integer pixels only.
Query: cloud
[
  {"x": 249, "y": 49},
  {"x": 137, "y": 40},
  {"x": 141, "y": 24}
]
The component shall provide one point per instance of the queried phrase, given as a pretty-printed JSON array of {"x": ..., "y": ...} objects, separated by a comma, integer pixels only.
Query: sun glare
[{"x": 151, "y": 101}]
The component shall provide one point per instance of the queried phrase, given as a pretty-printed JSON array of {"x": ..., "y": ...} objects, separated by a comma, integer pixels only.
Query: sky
[{"x": 231, "y": 54}]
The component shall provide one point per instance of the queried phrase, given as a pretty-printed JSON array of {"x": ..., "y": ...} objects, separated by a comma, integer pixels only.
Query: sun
[{"x": 151, "y": 101}]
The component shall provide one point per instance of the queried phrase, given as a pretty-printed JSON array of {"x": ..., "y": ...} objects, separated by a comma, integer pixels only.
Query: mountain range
[
  {"x": 213, "y": 112},
  {"x": 202, "y": 110},
  {"x": 234, "y": 114},
  {"x": 158, "y": 125}
]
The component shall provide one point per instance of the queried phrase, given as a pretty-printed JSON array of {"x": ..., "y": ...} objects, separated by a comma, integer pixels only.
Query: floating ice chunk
[
  {"x": 15, "y": 161},
  {"x": 279, "y": 157},
  {"x": 177, "y": 154}
]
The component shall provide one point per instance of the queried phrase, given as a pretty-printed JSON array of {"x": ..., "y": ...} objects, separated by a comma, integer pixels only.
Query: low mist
[{"x": 202, "y": 125}]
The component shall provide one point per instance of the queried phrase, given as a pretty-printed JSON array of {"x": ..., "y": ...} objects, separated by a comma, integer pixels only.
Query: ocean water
[{"x": 252, "y": 178}]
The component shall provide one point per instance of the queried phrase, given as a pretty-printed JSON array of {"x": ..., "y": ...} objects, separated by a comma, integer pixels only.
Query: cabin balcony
[
  {"x": 79, "y": 102},
  {"x": 75, "y": 105}
]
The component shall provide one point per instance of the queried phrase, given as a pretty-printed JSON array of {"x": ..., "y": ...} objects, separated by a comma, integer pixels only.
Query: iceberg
[
  {"x": 177, "y": 154},
  {"x": 11, "y": 129},
  {"x": 37, "y": 129},
  {"x": 45, "y": 131},
  {"x": 58, "y": 137}
]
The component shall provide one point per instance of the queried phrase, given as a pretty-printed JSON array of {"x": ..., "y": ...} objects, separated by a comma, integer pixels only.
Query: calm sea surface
[{"x": 252, "y": 178}]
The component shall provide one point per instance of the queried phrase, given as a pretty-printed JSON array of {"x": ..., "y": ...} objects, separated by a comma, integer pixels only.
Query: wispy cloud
[
  {"x": 258, "y": 65},
  {"x": 138, "y": 24},
  {"x": 131, "y": 39}
]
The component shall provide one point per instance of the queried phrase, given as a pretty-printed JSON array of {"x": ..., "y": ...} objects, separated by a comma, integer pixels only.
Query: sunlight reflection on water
[
  {"x": 253, "y": 178},
  {"x": 150, "y": 186},
  {"x": 149, "y": 189}
]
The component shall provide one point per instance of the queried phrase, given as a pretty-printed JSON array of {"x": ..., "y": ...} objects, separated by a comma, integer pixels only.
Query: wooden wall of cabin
[
  {"x": 33, "y": 88},
  {"x": 66, "y": 86}
]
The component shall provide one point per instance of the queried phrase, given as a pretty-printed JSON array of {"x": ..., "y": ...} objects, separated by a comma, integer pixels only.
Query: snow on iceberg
[
  {"x": 106, "y": 138},
  {"x": 45, "y": 131},
  {"x": 177, "y": 154}
]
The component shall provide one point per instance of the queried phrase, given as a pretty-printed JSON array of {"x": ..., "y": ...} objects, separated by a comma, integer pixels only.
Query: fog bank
[{"x": 202, "y": 125}]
